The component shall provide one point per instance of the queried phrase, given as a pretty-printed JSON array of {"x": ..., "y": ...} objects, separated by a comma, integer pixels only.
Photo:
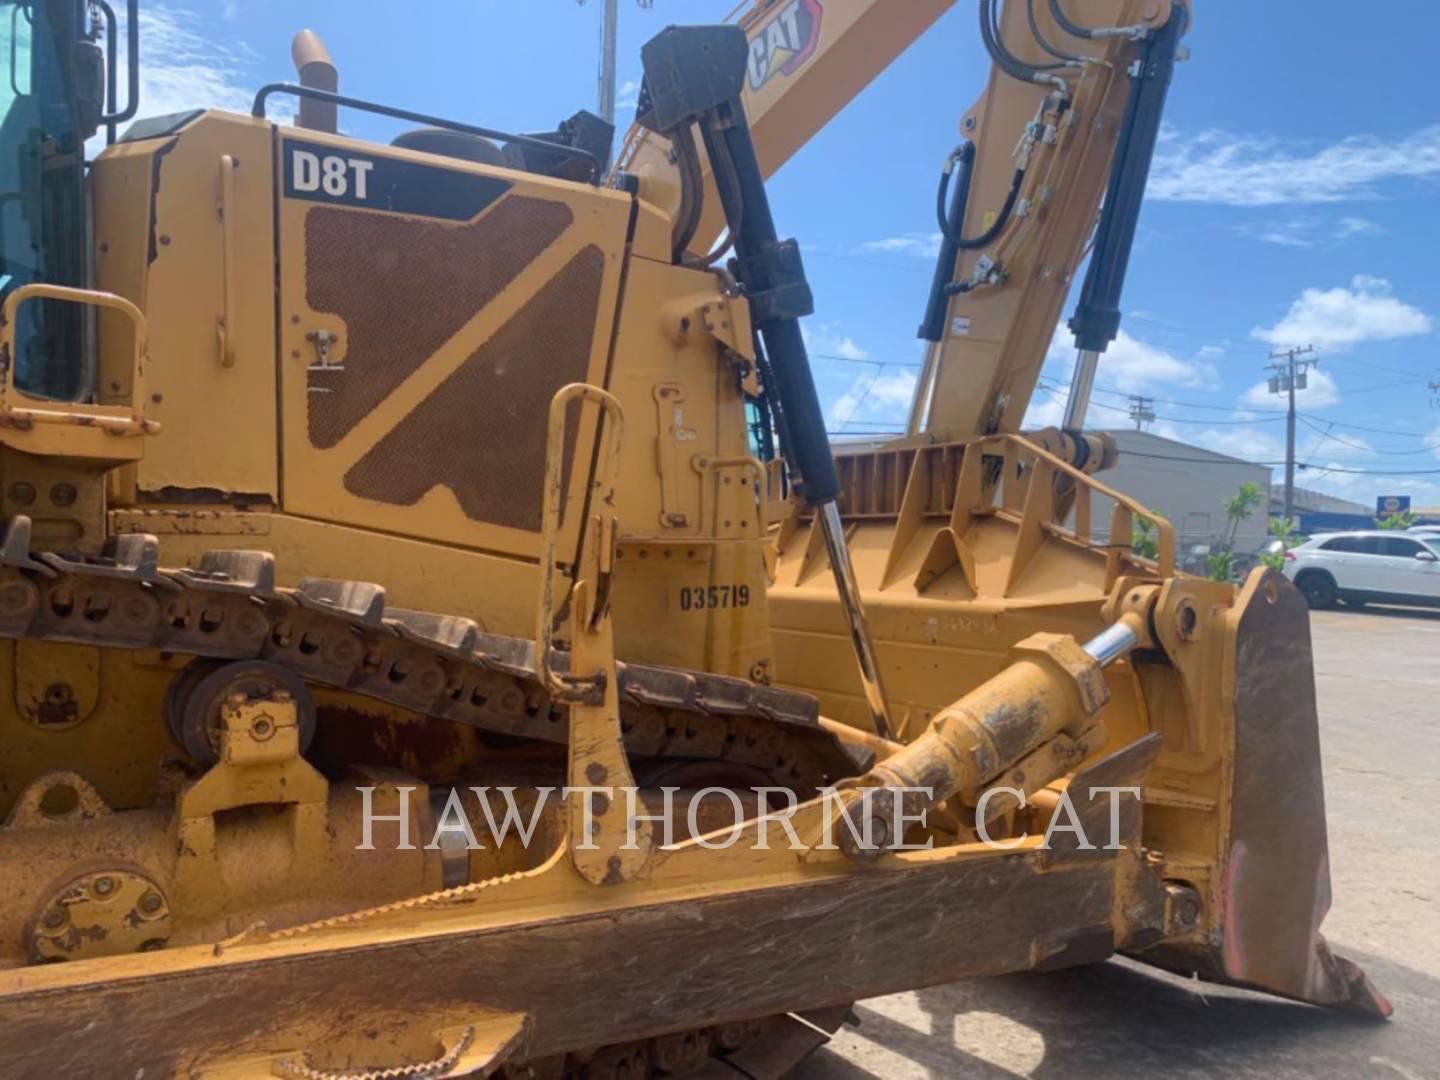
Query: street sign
[{"x": 1385, "y": 505}]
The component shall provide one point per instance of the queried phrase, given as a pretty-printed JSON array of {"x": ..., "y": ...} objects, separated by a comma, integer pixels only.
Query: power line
[
  {"x": 1365, "y": 446},
  {"x": 1376, "y": 472},
  {"x": 1372, "y": 430},
  {"x": 1384, "y": 386},
  {"x": 1204, "y": 335},
  {"x": 1191, "y": 404},
  {"x": 1376, "y": 367},
  {"x": 1277, "y": 464},
  {"x": 864, "y": 360},
  {"x": 1053, "y": 391}
]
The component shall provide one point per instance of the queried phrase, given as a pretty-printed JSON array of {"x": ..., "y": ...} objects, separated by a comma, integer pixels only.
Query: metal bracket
[
  {"x": 670, "y": 433},
  {"x": 322, "y": 340},
  {"x": 789, "y": 295},
  {"x": 598, "y": 774}
]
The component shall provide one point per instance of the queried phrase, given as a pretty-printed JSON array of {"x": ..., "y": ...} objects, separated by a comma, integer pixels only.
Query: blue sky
[{"x": 1293, "y": 199}]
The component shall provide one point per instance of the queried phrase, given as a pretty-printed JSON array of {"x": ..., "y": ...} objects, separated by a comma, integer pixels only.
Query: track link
[{"x": 344, "y": 635}]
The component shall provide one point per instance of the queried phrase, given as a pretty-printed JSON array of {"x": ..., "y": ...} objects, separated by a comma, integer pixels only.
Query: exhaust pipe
[{"x": 316, "y": 71}]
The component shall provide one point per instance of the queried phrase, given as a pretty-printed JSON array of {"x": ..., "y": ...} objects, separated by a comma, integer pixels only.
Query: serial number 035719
[{"x": 703, "y": 597}]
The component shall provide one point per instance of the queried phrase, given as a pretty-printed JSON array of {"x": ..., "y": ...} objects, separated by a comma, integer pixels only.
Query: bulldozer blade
[
  {"x": 606, "y": 971},
  {"x": 1275, "y": 866}
]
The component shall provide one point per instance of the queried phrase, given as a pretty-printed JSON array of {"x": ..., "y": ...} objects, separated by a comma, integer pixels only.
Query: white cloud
[
  {"x": 1348, "y": 226},
  {"x": 1133, "y": 365},
  {"x": 1341, "y": 318},
  {"x": 920, "y": 245},
  {"x": 1255, "y": 170},
  {"x": 181, "y": 67},
  {"x": 877, "y": 398},
  {"x": 1297, "y": 232},
  {"x": 826, "y": 340},
  {"x": 1309, "y": 231},
  {"x": 1320, "y": 392},
  {"x": 628, "y": 95},
  {"x": 1258, "y": 443},
  {"x": 1046, "y": 410}
]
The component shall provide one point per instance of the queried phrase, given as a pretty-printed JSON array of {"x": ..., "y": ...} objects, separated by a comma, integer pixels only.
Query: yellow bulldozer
[{"x": 438, "y": 639}]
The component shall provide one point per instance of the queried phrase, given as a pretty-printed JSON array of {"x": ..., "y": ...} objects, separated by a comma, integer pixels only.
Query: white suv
[{"x": 1361, "y": 567}]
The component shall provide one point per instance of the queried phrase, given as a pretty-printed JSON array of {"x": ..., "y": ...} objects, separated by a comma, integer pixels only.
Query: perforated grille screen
[
  {"x": 403, "y": 287},
  {"x": 481, "y": 432}
]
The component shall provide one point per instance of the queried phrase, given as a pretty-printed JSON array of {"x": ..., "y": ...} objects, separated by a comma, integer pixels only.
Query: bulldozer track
[{"x": 343, "y": 635}]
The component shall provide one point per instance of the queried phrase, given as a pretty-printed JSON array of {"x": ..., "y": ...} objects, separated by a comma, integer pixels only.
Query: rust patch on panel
[
  {"x": 481, "y": 432},
  {"x": 404, "y": 287}
]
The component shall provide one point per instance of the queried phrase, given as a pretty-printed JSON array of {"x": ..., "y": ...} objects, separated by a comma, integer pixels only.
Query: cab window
[{"x": 42, "y": 164}]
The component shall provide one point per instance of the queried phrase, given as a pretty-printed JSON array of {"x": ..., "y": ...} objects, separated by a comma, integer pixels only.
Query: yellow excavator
[{"x": 439, "y": 641}]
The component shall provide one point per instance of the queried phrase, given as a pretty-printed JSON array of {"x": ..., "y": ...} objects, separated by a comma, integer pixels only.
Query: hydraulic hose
[
  {"x": 992, "y": 16},
  {"x": 1040, "y": 37},
  {"x": 1074, "y": 29},
  {"x": 1007, "y": 62},
  {"x": 1063, "y": 21},
  {"x": 964, "y": 157},
  {"x": 687, "y": 216}
]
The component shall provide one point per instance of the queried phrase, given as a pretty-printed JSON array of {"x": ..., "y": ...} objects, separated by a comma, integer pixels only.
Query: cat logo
[{"x": 783, "y": 44}]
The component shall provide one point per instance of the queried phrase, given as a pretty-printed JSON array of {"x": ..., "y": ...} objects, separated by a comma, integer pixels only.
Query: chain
[{"x": 305, "y": 1069}]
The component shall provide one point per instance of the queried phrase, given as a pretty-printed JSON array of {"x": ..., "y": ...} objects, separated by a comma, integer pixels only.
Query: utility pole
[
  {"x": 1290, "y": 375},
  {"x": 609, "y": 30},
  {"x": 1142, "y": 411}
]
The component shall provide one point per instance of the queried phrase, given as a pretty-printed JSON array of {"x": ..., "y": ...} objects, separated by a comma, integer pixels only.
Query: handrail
[
  {"x": 553, "y": 502},
  {"x": 107, "y": 418},
  {"x": 225, "y": 330},
  {"x": 257, "y": 110},
  {"x": 132, "y": 61}
]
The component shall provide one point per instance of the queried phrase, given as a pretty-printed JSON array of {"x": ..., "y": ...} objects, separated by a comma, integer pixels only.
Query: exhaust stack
[{"x": 316, "y": 71}]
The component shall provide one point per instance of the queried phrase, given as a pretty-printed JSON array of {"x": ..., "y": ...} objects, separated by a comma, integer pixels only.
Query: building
[
  {"x": 1188, "y": 486},
  {"x": 1317, "y": 512}
]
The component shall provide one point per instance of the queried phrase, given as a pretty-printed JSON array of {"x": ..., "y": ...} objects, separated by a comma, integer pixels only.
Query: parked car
[{"x": 1367, "y": 567}]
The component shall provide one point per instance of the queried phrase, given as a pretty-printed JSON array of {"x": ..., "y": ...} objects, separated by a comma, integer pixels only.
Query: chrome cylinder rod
[
  {"x": 1111, "y": 644},
  {"x": 1081, "y": 386},
  {"x": 849, "y": 590}
]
